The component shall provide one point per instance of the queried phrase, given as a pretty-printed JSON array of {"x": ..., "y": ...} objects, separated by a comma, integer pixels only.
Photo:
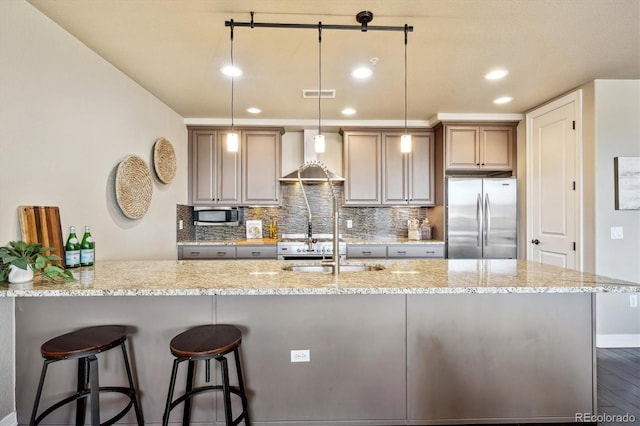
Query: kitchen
[{"x": 93, "y": 115}]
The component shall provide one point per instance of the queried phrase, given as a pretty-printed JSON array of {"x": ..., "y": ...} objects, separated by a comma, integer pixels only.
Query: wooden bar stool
[
  {"x": 204, "y": 343},
  {"x": 84, "y": 344}
]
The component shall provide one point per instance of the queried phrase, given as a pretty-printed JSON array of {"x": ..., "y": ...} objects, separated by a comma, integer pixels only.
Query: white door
[{"x": 553, "y": 183}]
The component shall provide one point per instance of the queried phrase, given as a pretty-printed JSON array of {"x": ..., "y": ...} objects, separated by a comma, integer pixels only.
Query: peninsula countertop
[{"x": 266, "y": 277}]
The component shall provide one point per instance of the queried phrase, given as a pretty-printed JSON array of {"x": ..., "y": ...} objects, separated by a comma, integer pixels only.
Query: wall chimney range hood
[{"x": 311, "y": 174}]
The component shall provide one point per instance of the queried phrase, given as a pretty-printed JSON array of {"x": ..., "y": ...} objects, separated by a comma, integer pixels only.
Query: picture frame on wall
[{"x": 627, "y": 183}]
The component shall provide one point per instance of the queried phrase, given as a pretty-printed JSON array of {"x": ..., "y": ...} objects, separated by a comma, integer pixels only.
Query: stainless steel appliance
[
  {"x": 481, "y": 218},
  {"x": 295, "y": 246},
  {"x": 230, "y": 216}
]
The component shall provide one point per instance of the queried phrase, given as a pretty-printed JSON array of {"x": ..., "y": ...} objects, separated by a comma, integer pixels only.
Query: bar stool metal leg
[
  {"x": 243, "y": 395},
  {"x": 225, "y": 390},
  {"x": 186, "y": 417},
  {"x": 94, "y": 392},
  {"x": 82, "y": 381},
  {"x": 36, "y": 403},
  {"x": 172, "y": 384},
  {"x": 133, "y": 395}
]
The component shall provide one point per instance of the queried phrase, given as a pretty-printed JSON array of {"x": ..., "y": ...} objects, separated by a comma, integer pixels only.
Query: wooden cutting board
[{"x": 41, "y": 224}]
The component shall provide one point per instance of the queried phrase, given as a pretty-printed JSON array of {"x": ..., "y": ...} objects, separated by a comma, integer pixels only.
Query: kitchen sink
[{"x": 329, "y": 268}]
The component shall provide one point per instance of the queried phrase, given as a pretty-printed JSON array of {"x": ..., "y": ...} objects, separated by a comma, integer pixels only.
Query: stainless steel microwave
[{"x": 229, "y": 216}]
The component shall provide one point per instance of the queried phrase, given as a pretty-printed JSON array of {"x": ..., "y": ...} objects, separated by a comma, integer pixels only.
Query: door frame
[{"x": 574, "y": 97}]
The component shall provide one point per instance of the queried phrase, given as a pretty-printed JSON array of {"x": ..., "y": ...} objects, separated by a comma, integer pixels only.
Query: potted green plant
[{"x": 24, "y": 259}]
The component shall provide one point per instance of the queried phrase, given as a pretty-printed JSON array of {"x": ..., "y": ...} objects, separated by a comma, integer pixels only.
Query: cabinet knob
[{"x": 536, "y": 241}]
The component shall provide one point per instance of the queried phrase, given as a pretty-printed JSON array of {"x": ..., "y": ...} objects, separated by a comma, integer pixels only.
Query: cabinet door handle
[
  {"x": 401, "y": 252},
  {"x": 222, "y": 253},
  {"x": 366, "y": 253},
  {"x": 536, "y": 241},
  {"x": 195, "y": 253},
  {"x": 255, "y": 253}
]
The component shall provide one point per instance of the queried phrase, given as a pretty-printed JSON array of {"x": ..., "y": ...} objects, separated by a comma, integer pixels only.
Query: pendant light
[
  {"x": 405, "y": 140},
  {"x": 232, "y": 136},
  {"x": 319, "y": 138}
]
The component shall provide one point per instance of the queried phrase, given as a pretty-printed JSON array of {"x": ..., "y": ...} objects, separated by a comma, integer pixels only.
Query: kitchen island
[{"x": 418, "y": 342}]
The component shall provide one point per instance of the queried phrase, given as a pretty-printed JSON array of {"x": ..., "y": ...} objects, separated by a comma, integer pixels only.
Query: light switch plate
[{"x": 617, "y": 233}]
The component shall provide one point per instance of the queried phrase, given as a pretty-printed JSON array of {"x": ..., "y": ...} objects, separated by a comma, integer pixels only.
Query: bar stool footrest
[
  {"x": 84, "y": 394},
  {"x": 212, "y": 388}
]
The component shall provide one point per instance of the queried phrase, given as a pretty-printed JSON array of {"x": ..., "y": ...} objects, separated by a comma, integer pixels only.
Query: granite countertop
[{"x": 266, "y": 277}]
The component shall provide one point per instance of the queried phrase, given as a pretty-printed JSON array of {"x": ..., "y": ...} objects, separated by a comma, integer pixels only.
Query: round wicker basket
[
  {"x": 134, "y": 187},
  {"x": 164, "y": 160}
]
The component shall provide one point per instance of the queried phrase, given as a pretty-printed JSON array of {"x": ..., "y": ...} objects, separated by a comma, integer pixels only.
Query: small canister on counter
[
  {"x": 427, "y": 230},
  {"x": 413, "y": 229}
]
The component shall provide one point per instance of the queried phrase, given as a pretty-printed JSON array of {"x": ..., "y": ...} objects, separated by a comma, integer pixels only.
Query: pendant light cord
[
  {"x": 233, "y": 71},
  {"x": 406, "y": 29},
  {"x": 319, "y": 74}
]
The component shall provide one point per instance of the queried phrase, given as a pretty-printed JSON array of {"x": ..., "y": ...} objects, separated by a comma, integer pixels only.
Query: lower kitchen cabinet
[
  {"x": 206, "y": 252},
  {"x": 357, "y": 367},
  {"x": 260, "y": 251},
  {"x": 366, "y": 251},
  {"x": 415, "y": 251}
]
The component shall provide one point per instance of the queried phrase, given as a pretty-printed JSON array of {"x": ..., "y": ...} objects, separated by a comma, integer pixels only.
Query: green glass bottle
[
  {"x": 72, "y": 249},
  {"x": 87, "y": 248}
]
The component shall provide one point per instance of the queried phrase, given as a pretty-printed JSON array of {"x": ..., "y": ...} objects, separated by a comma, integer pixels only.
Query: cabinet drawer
[
  {"x": 256, "y": 252},
  {"x": 208, "y": 252},
  {"x": 415, "y": 251},
  {"x": 378, "y": 251}
]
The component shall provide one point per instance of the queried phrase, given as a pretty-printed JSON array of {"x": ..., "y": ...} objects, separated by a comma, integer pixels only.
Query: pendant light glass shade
[
  {"x": 319, "y": 143},
  {"x": 232, "y": 142},
  {"x": 405, "y": 143}
]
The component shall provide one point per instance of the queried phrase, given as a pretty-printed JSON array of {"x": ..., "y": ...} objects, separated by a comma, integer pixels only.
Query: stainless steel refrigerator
[{"x": 481, "y": 218}]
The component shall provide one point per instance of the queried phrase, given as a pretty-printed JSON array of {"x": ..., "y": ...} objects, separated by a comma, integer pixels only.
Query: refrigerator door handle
[
  {"x": 479, "y": 218},
  {"x": 487, "y": 219}
]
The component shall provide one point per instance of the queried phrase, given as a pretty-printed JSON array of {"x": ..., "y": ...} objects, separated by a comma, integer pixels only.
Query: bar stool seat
[
  {"x": 84, "y": 344},
  {"x": 204, "y": 343}
]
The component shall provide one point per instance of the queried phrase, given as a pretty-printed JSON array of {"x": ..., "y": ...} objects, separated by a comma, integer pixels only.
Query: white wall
[
  {"x": 616, "y": 134},
  {"x": 67, "y": 118}
]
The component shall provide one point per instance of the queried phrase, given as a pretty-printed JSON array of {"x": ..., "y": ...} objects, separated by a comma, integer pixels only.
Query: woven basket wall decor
[
  {"x": 134, "y": 187},
  {"x": 164, "y": 160}
]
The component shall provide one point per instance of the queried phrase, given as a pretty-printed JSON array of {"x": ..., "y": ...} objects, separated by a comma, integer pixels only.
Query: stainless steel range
[{"x": 295, "y": 246}]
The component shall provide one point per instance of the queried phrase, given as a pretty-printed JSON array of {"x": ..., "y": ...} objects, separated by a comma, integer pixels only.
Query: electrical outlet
[
  {"x": 349, "y": 223},
  {"x": 301, "y": 355},
  {"x": 180, "y": 224},
  {"x": 617, "y": 233},
  {"x": 633, "y": 301}
]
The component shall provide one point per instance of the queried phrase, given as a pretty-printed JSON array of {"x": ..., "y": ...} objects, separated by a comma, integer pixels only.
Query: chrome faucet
[{"x": 334, "y": 262}]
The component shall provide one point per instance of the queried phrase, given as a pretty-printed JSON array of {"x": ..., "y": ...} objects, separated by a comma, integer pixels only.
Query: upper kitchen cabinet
[
  {"x": 362, "y": 165},
  {"x": 215, "y": 172},
  {"x": 479, "y": 147},
  {"x": 408, "y": 178},
  {"x": 261, "y": 167},
  {"x": 247, "y": 177},
  {"x": 377, "y": 173}
]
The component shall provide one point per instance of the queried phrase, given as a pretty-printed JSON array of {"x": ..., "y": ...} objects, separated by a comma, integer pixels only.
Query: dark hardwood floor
[{"x": 619, "y": 385}]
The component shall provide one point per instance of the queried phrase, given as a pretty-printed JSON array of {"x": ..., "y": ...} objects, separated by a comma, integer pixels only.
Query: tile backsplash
[{"x": 292, "y": 217}]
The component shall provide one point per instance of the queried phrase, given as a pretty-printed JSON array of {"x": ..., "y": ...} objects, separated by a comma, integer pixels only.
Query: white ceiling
[{"x": 175, "y": 49}]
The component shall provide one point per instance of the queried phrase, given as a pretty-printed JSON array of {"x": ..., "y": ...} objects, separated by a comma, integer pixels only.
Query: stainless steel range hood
[{"x": 311, "y": 174}]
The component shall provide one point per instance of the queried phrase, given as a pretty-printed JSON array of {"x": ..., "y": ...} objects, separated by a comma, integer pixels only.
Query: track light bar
[{"x": 363, "y": 18}]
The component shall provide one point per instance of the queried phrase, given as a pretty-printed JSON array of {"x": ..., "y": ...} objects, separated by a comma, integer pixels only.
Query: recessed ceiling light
[
  {"x": 496, "y": 74},
  {"x": 362, "y": 72},
  {"x": 503, "y": 100},
  {"x": 348, "y": 111},
  {"x": 254, "y": 110},
  {"x": 231, "y": 71}
]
